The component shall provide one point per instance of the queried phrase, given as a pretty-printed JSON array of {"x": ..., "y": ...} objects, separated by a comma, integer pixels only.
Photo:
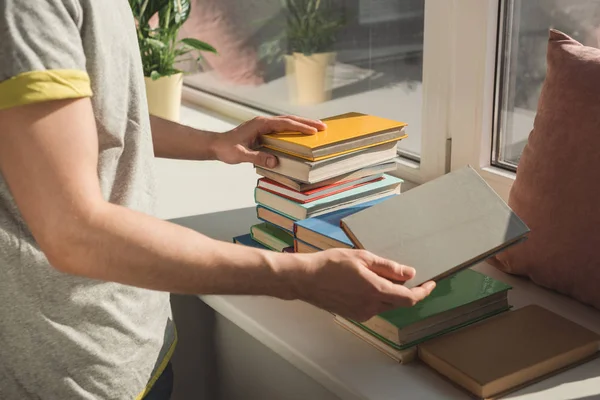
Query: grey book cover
[{"x": 439, "y": 228}]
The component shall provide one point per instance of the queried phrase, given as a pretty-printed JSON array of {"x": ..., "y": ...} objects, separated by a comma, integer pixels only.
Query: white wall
[{"x": 188, "y": 187}]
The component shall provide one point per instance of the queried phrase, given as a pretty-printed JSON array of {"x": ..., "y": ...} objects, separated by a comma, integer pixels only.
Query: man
[{"x": 85, "y": 270}]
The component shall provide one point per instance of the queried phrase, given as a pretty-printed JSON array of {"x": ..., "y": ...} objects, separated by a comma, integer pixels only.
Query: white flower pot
[
  {"x": 309, "y": 81},
  {"x": 164, "y": 96}
]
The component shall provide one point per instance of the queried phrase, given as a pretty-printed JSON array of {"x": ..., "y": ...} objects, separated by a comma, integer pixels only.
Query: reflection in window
[
  {"x": 315, "y": 58},
  {"x": 523, "y": 63}
]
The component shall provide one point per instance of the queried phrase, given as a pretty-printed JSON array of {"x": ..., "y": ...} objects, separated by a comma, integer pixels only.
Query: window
[
  {"x": 522, "y": 64},
  {"x": 465, "y": 74},
  {"x": 374, "y": 65}
]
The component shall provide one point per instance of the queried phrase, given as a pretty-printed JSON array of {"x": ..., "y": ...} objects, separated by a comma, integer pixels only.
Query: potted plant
[
  {"x": 306, "y": 46},
  {"x": 158, "y": 24}
]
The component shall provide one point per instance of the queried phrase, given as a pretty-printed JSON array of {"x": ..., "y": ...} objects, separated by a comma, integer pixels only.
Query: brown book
[
  {"x": 507, "y": 352},
  {"x": 404, "y": 356},
  {"x": 301, "y": 247}
]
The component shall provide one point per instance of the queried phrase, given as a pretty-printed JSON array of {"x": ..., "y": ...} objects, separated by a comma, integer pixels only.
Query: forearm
[
  {"x": 121, "y": 245},
  {"x": 173, "y": 140}
]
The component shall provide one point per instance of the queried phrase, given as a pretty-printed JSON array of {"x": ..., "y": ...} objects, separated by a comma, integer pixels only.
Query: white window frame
[
  {"x": 476, "y": 31},
  {"x": 435, "y": 159},
  {"x": 459, "y": 72}
]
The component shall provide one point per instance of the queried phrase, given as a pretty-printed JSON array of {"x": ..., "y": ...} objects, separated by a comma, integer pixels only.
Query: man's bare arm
[
  {"x": 48, "y": 157},
  {"x": 173, "y": 140}
]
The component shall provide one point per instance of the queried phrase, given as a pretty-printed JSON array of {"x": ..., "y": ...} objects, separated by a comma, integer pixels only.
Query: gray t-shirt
[{"x": 61, "y": 336}]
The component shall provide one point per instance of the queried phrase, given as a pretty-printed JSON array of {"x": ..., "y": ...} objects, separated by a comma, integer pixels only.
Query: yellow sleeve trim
[
  {"x": 160, "y": 368},
  {"x": 37, "y": 86}
]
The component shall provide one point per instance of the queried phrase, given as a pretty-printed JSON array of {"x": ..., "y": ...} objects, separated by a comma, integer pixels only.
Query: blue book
[
  {"x": 303, "y": 247},
  {"x": 324, "y": 231},
  {"x": 247, "y": 240},
  {"x": 362, "y": 194}
]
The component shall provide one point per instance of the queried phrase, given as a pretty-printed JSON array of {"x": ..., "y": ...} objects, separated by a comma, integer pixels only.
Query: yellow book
[{"x": 345, "y": 133}]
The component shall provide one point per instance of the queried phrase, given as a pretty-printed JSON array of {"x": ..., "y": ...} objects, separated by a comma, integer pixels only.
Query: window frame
[
  {"x": 462, "y": 40},
  {"x": 477, "y": 37},
  {"x": 435, "y": 150}
]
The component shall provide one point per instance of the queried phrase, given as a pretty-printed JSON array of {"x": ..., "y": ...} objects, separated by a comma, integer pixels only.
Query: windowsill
[
  {"x": 499, "y": 179},
  {"x": 500, "y": 172},
  {"x": 309, "y": 339},
  {"x": 350, "y": 93}
]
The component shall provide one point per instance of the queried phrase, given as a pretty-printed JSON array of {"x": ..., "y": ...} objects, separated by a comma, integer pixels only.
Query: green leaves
[
  {"x": 182, "y": 11},
  {"x": 160, "y": 50},
  {"x": 199, "y": 45},
  {"x": 154, "y": 44},
  {"x": 155, "y": 75},
  {"x": 311, "y": 27}
]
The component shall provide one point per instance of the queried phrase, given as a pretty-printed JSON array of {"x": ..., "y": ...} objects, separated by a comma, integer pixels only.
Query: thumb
[
  {"x": 260, "y": 158},
  {"x": 390, "y": 270}
]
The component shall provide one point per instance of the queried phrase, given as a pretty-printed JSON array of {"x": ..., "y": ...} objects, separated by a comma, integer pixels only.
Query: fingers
[
  {"x": 421, "y": 292},
  {"x": 390, "y": 296},
  {"x": 319, "y": 125},
  {"x": 260, "y": 158},
  {"x": 401, "y": 296},
  {"x": 387, "y": 268},
  {"x": 285, "y": 124}
]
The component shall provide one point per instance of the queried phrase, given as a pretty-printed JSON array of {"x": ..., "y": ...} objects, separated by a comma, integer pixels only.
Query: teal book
[
  {"x": 324, "y": 231},
  {"x": 247, "y": 240},
  {"x": 275, "y": 218},
  {"x": 389, "y": 185},
  {"x": 456, "y": 301},
  {"x": 271, "y": 236}
]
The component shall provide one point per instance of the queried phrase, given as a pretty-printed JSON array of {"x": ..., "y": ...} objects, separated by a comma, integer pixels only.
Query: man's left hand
[{"x": 239, "y": 145}]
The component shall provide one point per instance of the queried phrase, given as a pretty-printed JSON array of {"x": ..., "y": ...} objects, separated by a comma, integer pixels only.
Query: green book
[
  {"x": 408, "y": 345},
  {"x": 272, "y": 236},
  {"x": 456, "y": 301}
]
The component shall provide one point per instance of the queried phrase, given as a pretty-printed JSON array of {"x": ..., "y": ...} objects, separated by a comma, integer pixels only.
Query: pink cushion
[
  {"x": 557, "y": 187},
  {"x": 213, "y": 22}
]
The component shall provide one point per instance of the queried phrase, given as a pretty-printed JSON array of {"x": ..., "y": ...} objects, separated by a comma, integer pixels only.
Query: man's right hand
[{"x": 355, "y": 283}]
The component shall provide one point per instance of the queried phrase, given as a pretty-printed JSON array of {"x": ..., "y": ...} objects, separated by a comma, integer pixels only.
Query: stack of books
[
  {"x": 343, "y": 167},
  {"x": 464, "y": 330},
  {"x": 440, "y": 228},
  {"x": 331, "y": 190},
  {"x": 456, "y": 302}
]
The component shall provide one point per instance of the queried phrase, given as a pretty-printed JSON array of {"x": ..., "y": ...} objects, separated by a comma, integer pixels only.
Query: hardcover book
[
  {"x": 273, "y": 217},
  {"x": 510, "y": 351},
  {"x": 439, "y": 228},
  {"x": 402, "y": 356},
  {"x": 344, "y": 133},
  {"x": 247, "y": 240},
  {"x": 271, "y": 236},
  {"x": 355, "y": 174},
  {"x": 324, "y": 231},
  {"x": 302, "y": 247},
  {"x": 312, "y": 172},
  {"x": 314, "y": 194},
  {"x": 387, "y": 186},
  {"x": 457, "y": 299}
]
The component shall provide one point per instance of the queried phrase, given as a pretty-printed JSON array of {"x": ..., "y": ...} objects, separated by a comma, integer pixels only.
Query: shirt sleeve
[{"x": 41, "y": 52}]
